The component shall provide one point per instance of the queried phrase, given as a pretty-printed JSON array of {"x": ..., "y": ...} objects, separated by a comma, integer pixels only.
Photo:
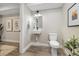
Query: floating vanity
[{"x": 37, "y": 31}]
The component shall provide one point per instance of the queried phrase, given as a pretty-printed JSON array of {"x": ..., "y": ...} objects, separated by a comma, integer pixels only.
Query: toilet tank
[{"x": 52, "y": 36}]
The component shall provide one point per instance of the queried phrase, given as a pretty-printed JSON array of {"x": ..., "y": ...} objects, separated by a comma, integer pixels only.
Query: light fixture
[{"x": 37, "y": 14}]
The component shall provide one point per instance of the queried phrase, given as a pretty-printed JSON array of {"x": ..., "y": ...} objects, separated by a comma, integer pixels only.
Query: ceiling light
[{"x": 37, "y": 14}]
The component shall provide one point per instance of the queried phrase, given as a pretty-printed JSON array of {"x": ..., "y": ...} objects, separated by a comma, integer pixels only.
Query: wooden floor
[
  {"x": 41, "y": 51},
  {"x": 38, "y": 51},
  {"x": 32, "y": 51},
  {"x": 14, "y": 52}
]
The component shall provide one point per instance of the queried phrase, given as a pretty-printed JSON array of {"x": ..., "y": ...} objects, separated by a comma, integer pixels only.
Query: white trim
[
  {"x": 9, "y": 40},
  {"x": 39, "y": 44},
  {"x": 25, "y": 49}
]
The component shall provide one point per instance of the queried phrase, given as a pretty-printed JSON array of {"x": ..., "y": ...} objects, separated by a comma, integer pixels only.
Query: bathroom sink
[{"x": 36, "y": 31}]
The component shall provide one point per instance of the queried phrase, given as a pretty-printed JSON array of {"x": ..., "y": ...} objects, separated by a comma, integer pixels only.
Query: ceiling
[
  {"x": 13, "y": 8},
  {"x": 43, "y": 6},
  {"x": 9, "y": 8},
  {"x": 2, "y": 5}
]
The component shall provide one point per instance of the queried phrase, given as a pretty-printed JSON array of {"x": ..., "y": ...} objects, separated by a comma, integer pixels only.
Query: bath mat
[{"x": 6, "y": 49}]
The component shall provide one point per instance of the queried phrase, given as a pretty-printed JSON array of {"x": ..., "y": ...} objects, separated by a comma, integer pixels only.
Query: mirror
[{"x": 37, "y": 22}]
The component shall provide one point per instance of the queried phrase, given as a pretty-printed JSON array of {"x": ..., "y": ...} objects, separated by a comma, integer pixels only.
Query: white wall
[
  {"x": 68, "y": 32},
  {"x": 52, "y": 22},
  {"x": 25, "y": 15},
  {"x": 10, "y": 36},
  {"x": 0, "y": 19}
]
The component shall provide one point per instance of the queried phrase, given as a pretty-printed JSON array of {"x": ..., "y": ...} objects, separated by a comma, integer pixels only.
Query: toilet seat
[{"x": 54, "y": 44}]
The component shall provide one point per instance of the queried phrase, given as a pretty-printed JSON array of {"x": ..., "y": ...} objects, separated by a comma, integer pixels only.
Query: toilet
[{"x": 54, "y": 44}]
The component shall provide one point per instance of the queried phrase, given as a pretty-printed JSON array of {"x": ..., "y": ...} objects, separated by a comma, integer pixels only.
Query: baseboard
[
  {"x": 40, "y": 44},
  {"x": 5, "y": 40},
  {"x": 26, "y": 48}
]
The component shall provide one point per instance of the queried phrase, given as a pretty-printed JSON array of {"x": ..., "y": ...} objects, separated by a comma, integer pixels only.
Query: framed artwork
[
  {"x": 73, "y": 15},
  {"x": 16, "y": 25},
  {"x": 9, "y": 25}
]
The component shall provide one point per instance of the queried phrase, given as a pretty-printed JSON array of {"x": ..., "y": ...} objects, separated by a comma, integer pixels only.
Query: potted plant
[
  {"x": 72, "y": 45},
  {"x": 1, "y": 28}
]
